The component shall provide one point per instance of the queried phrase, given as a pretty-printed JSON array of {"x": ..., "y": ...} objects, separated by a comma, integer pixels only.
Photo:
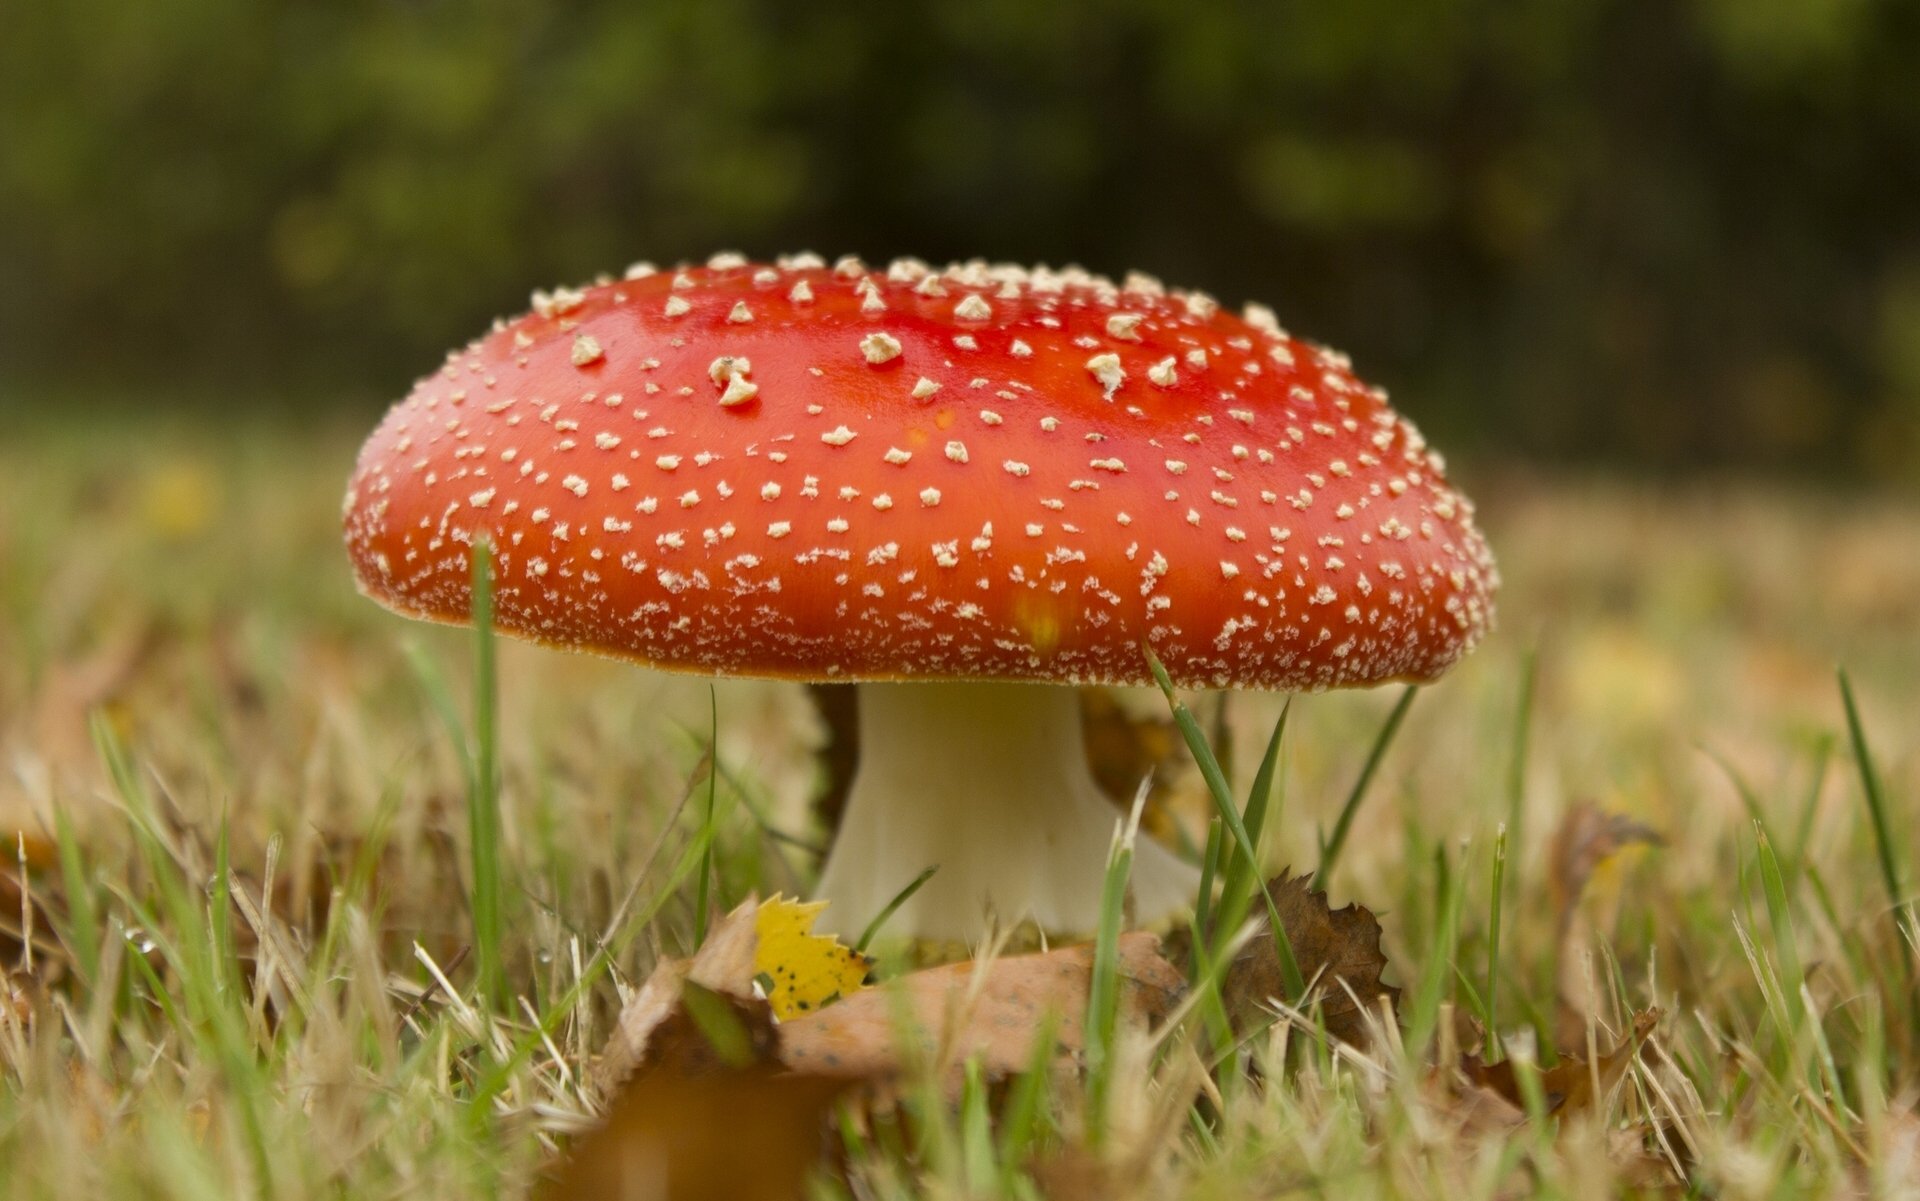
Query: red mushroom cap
[{"x": 829, "y": 473}]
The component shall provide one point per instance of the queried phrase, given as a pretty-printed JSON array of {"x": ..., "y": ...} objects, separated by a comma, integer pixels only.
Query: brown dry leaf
[
  {"x": 1640, "y": 1168},
  {"x": 1587, "y": 837},
  {"x": 695, "y": 1060},
  {"x": 723, "y": 965},
  {"x": 1572, "y": 1086},
  {"x": 726, "y": 1134},
  {"x": 964, "y": 1010},
  {"x": 1338, "y": 951}
]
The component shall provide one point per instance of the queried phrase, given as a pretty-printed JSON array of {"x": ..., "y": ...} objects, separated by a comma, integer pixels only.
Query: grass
[{"x": 253, "y": 955}]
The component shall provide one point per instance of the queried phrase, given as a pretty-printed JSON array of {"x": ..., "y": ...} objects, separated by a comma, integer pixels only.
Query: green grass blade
[
  {"x": 483, "y": 792},
  {"x": 81, "y": 932},
  {"x": 1522, "y": 743},
  {"x": 226, "y": 963},
  {"x": 491, "y": 1083},
  {"x": 1816, "y": 784},
  {"x": 702, "y": 899},
  {"x": 1222, "y": 795},
  {"x": 1103, "y": 991},
  {"x": 892, "y": 907},
  {"x": 1882, "y": 828},
  {"x": 1424, "y": 1014},
  {"x": 1495, "y": 1050},
  {"x": 1242, "y": 871},
  {"x": 1023, "y": 1116},
  {"x": 1209, "y": 873},
  {"x": 1786, "y": 945},
  {"x": 1331, "y": 853},
  {"x": 978, "y": 1162}
]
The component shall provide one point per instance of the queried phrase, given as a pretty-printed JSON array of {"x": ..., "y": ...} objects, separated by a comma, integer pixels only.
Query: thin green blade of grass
[
  {"x": 483, "y": 792},
  {"x": 1774, "y": 993},
  {"x": 1496, "y": 1049},
  {"x": 214, "y": 1019},
  {"x": 1203, "y": 899},
  {"x": 979, "y": 1164},
  {"x": 1103, "y": 990},
  {"x": 701, "y": 897},
  {"x": 1222, "y": 795},
  {"x": 1882, "y": 827},
  {"x": 1522, "y": 744},
  {"x": 1330, "y": 854},
  {"x": 81, "y": 930},
  {"x": 1816, "y": 784},
  {"x": 1785, "y": 943},
  {"x": 496, "y": 1079},
  {"x": 1242, "y": 871},
  {"x": 1023, "y": 1116},
  {"x": 226, "y": 962},
  {"x": 1749, "y": 799},
  {"x": 892, "y": 907},
  {"x": 1424, "y": 1014}
]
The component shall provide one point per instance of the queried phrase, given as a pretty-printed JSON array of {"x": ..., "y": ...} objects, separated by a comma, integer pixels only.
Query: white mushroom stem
[{"x": 991, "y": 783}]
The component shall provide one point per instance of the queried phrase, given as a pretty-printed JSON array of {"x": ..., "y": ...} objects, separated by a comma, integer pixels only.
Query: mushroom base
[{"x": 990, "y": 782}]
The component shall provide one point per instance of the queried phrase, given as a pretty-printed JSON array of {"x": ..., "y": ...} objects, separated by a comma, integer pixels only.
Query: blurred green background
[{"x": 1674, "y": 235}]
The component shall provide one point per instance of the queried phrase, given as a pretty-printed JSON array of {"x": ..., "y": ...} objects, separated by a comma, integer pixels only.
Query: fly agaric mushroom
[{"x": 960, "y": 489}]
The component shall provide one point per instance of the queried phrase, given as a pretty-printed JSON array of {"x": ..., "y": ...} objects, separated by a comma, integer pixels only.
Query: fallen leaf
[
  {"x": 1587, "y": 837},
  {"x": 1573, "y": 1085},
  {"x": 723, "y": 965},
  {"x": 1640, "y": 1168},
  {"x": 1337, "y": 950},
  {"x": 993, "y": 1012},
  {"x": 734, "y": 1134},
  {"x": 805, "y": 971},
  {"x": 697, "y": 1058},
  {"x": 692, "y": 1069}
]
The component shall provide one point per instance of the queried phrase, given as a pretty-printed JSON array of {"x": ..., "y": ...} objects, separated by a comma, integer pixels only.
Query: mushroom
[{"x": 962, "y": 489}]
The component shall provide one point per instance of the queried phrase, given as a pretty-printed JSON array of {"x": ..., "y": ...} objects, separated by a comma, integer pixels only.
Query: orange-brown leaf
[
  {"x": 1572, "y": 1086},
  {"x": 653, "y": 1023},
  {"x": 962, "y": 1010},
  {"x": 677, "y": 1135}
]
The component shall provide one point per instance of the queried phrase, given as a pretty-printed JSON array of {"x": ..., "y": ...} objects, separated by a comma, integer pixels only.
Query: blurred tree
[{"x": 1673, "y": 232}]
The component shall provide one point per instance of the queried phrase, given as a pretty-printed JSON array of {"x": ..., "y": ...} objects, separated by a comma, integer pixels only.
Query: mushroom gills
[{"x": 990, "y": 782}]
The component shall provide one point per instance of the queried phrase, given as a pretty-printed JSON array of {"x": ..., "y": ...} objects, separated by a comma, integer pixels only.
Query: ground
[{"x": 186, "y": 673}]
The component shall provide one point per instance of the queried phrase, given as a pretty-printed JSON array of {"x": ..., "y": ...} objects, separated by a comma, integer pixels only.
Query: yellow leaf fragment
[{"x": 806, "y": 970}]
